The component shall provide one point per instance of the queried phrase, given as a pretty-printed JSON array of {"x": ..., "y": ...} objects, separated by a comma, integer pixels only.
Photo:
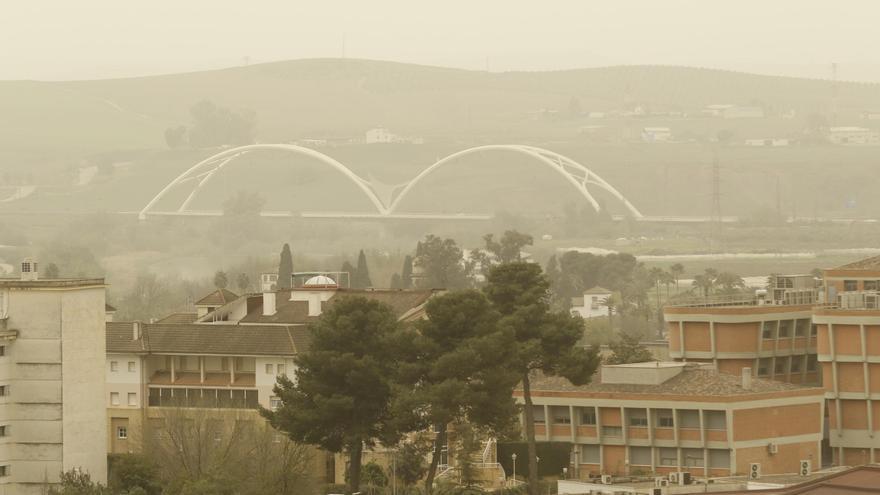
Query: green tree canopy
[
  {"x": 627, "y": 349},
  {"x": 545, "y": 341},
  {"x": 406, "y": 273},
  {"x": 345, "y": 385},
  {"x": 220, "y": 279},
  {"x": 442, "y": 264},
  {"x": 463, "y": 370}
]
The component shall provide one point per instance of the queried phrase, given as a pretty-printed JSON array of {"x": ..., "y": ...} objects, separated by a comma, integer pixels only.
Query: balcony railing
[{"x": 791, "y": 298}]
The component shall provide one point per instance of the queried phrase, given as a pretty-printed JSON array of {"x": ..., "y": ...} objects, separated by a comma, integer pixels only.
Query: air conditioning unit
[
  {"x": 606, "y": 479},
  {"x": 754, "y": 471},
  {"x": 806, "y": 467},
  {"x": 660, "y": 482},
  {"x": 685, "y": 478},
  {"x": 673, "y": 478},
  {"x": 773, "y": 448}
]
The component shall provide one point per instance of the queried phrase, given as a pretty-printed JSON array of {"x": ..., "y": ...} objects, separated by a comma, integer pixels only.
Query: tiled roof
[
  {"x": 217, "y": 298},
  {"x": 216, "y": 339},
  {"x": 297, "y": 312},
  {"x": 179, "y": 318},
  {"x": 871, "y": 263},
  {"x": 693, "y": 382},
  {"x": 597, "y": 290},
  {"x": 51, "y": 283}
]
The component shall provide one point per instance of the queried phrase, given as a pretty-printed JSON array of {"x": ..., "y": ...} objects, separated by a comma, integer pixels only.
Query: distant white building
[
  {"x": 772, "y": 142},
  {"x": 656, "y": 135},
  {"x": 853, "y": 135},
  {"x": 594, "y": 303},
  {"x": 716, "y": 110},
  {"x": 381, "y": 135},
  {"x": 738, "y": 112}
]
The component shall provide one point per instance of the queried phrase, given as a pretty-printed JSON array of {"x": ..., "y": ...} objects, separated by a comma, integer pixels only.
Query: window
[
  {"x": 719, "y": 458},
  {"x": 664, "y": 418},
  {"x": 667, "y": 456},
  {"x": 2, "y": 348},
  {"x": 785, "y": 328},
  {"x": 270, "y": 369},
  {"x": 764, "y": 367},
  {"x": 612, "y": 431},
  {"x": 689, "y": 419},
  {"x": 132, "y": 399},
  {"x": 638, "y": 418},
  {"x": 224, "y": 364},
  {"x": 871, "y": 284},
  {"x": 560, "y": 415},
  {"x": 183, "y": 363},
  {"x": 4, "y": 390},
  {"x": 640, "y": 456},
  {"x": 781, "y": 366},
  {"x": 4, "y": 430},
  {"x": 812, "y": 362},
  {"x": 588, "y": 416},
  {"x": 538, "y": 412},
  {"x": 4, "y": 470},
  {"x": 589, "y": 454},
  {"x": 114, "y": 398},
  {"x": 802, "y": 327},
  {"x": 274, "y": 403},
  {"x": 281, "y": 369},
  {"x": 121, "y": 432},
  {"x": 850, "y": 285},
  {"x": 692, "y": 457},
  {"x": 132, "y": 367},
  {"x": 768, "y": 329},
  {"x": 796, "y": 364},
  {"x": 114, "y": 366},
  {"x": 715, "y": 420}
]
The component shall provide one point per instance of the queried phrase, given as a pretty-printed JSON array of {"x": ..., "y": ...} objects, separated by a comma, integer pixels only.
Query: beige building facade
[{"x": 52, "y": 409}]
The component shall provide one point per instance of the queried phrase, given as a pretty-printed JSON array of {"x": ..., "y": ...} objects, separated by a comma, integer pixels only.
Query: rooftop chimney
[
  {"x": 29, "y": 269},
  {"x": 268, "y": 303},
  {"x": 136, "y": 330},
  {"x": 747, "y": 378}
]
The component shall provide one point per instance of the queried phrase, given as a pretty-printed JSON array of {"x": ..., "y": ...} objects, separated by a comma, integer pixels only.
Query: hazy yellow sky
[{"x": 77, "y": 39}]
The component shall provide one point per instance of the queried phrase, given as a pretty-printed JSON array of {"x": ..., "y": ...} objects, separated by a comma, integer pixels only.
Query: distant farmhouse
[
  {"x": 656, "y": 135},
  {"x": 853, "y": 135}
]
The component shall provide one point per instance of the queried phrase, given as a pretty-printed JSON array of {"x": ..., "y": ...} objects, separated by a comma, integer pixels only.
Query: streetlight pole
[{"x": 513, "y": 456}]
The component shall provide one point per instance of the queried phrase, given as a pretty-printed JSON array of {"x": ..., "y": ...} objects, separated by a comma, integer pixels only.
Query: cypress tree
[
  {"x": 285, "y": 268},
  {"x": 362, "y": 273},
  {"x": 406, "y": 273}
]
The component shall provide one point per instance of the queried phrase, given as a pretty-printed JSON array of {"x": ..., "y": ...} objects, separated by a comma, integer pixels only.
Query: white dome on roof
[{"x": 320, "y": 281}]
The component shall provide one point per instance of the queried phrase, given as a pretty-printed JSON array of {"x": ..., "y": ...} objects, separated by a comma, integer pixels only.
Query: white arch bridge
[{"x": 200, "y": 174}]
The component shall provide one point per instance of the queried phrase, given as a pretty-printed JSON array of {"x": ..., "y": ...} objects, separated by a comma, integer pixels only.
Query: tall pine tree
[
  {"x": 285, "y": 268},
  {"x": 545, "y": 341},
  {"x": 345, "y": 385}
]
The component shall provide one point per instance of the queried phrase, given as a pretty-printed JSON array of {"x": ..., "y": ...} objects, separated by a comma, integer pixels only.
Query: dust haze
[{"x": 658, "y": 151}]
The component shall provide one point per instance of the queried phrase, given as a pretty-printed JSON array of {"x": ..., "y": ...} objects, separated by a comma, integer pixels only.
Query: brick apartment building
[
  {"x": 849, "y": 351},
  {"x": 771, "y": 332},
  {"x": 657, "y": 418}
]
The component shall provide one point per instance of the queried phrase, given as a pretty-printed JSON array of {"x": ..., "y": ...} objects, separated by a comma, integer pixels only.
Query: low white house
[
  {"x": 381, "y": 135},
  {"x": 594, "y": 303},
  {"x": 656, "y": 135},
  {"x": 772, "y": 142},
  {"x": 850, "y": 135}
]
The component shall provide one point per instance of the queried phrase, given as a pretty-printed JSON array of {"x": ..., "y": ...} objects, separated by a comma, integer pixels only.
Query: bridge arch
[
  {"x": 203, "y": 171},
  {"x": 576, "y": 174}
]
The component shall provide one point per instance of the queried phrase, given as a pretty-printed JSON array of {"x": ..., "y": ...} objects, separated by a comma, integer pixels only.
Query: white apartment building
[
  {"x": 52, "y": 411},
  {"x": 593, "y": 303}
]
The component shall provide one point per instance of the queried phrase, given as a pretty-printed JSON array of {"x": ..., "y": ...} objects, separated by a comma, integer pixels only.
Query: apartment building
[
  {"x": 663, "y": 417},
  {"x": 226, "y": 360},
  {"x": 770, "y": 332},
  {"x": 849, "y": 352},
  {"x": 52, "y": 409}
]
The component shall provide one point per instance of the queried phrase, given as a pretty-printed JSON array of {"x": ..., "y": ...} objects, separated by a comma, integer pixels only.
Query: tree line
[{"x": 369, "y": 379}]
